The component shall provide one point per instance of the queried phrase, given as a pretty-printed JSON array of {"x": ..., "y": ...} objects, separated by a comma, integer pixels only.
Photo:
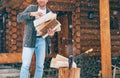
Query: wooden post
[
  {"x": 65, "y": 72},
  {"x": 105, "y": 39}
]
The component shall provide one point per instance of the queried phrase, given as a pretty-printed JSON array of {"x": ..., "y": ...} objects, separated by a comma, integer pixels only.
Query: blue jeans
[{"x": 27, "y": 57}]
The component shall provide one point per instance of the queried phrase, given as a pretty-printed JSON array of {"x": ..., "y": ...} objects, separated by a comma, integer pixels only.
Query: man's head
[{"x": 42, "y": 3}]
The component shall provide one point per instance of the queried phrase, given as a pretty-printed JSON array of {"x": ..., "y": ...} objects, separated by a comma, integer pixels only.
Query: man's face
[{"x": 42, "y": 3}]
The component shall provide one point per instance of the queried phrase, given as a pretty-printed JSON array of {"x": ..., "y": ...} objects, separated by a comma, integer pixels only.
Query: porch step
[{"x": 9, "y": 72}]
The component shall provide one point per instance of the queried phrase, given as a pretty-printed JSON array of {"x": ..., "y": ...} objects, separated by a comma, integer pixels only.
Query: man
[{"x": 33, "y": 41}]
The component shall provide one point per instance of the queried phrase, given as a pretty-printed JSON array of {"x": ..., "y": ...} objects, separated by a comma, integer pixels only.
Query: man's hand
[
  {"x": 36, "y": 14},
  {"x": 51, "y": 32}
]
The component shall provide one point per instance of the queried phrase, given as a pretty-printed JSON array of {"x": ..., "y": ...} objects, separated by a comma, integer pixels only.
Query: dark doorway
[
  {"x": 61, "y": 39},
  {"x": 3, "y": 17}
]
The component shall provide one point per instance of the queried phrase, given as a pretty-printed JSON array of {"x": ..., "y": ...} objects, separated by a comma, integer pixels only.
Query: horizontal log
[
  {"x": 115, "y": 42},
  {"x": 6, "y": 58},
  {"x": 10, "y": 58},
  {"x": 85, "y": 26},
  {"x": 93, "y": 3},
  {"x": 89, "y": 37},
  {"x": 116, "y": 53},
  {"x": 88, "y": 9},
  {"x": 60, "y": 8},
  {"x": 87, "y": 20},
  {"x": 90, "y": 43},
  {"x": 97, "y": 37},
  {"x": 97, "y": 48},
  {"x": 90, "y": 23},
  {"x": 97, "y": 43},
  {"x": 97, "y": 31},
  {"x": 99, "y": 54},
  {"x": 115, "y": 32},
  {"x": 90, "y": 31},
  {"x": 115, "y": 37},
  {"x": 65, "y": 1},
  {"x": 85, "y": 14},
  {"x": 116, "y": 1}
]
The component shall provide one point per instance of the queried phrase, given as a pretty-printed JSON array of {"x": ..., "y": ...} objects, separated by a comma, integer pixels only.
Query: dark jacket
[{"x": 30, "y": 32}]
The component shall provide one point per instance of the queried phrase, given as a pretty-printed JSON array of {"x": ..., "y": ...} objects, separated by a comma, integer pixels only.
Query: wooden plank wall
[{"x": 86, "y": 32}]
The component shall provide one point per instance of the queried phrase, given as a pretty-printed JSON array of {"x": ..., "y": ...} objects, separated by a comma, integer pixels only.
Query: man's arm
[{"x": 25, "y": 15}]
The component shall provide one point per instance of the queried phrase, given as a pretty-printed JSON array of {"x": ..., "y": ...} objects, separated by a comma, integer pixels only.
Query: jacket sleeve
[{"x": 25, "y": 15}]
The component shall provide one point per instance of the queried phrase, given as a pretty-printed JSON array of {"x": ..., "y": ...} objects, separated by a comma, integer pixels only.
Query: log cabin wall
[
  {"x": 90, "y": 36},
  {"x": 85, "y": 28},
  {"x": 85, "y": 31},
  {"x": 89, "y": 26},
  {"x": 14, "y": 30},
  {"x": 115, "y": 26}
]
